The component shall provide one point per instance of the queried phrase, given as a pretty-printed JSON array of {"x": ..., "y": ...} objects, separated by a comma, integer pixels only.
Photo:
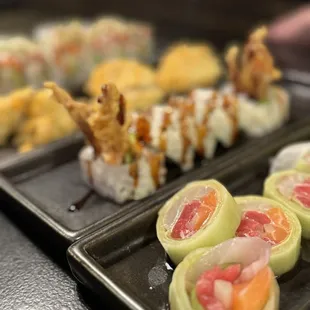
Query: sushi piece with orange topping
[
  {"x": 114, "y": 163},
  {"x": 233, "y": 275},
  {"x": 202, "y": 214},
  {"x": 291, "y": 188},
  {"x": 273, "y": 222}
]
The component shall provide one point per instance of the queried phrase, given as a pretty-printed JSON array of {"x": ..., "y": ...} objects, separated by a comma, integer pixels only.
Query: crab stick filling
[
  {"x": 271, "y": 225},
  {"x": 193, "y": 214},
  {"x": 295, "y": 187}
]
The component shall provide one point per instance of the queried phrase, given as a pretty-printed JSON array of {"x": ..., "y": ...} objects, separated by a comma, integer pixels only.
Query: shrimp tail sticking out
[
  {"x": 79, "y": 112},
  {"x": 251, "y": 69},
  {"x": 103, "y": 123}
]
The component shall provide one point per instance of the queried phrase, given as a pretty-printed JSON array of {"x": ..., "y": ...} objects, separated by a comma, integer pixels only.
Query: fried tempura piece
[
  {"x": 252, "y": 70},
  {"x": 12, "y": 111},
  {"x": 103, "y": 123},
  {"x": 109, "y": 125},
  {"x": 186, "y": 66},
  {"x": 134, "y": 80}
]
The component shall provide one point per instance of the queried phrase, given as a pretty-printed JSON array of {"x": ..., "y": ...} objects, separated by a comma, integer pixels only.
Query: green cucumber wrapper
[
  {"x": 181, "y": 294},
  {"x": 221, "y": 226},
  {"x": 302, "y": 165},
  {"x": 271, "y": 191},
  {"x": 284, "y": 255}
]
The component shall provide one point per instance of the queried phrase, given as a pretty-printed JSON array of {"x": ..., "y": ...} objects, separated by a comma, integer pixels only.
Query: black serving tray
[
  {"x": 41, "y": 186},
  {"x": 129, "y": 261}
]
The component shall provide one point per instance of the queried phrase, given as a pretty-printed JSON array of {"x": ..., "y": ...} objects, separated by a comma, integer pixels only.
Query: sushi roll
[
  {"x": 107, "y": 38},
  {"x": 201, "y": 214},
  {"x": 169, "y": 133},
  {"x": 291, "y": 188},
  {"x": 196, "y": 117},
  {"x": 164, "y": 128},
  {"x": 140, "y": 44},
  {"x": 264, "y": 107},
  {"x": 222, "y": 114},
  {"x": 113, "y": 164},
  {"x": 12, "y": 74},
  {"x": 232, "y": 275},
  {"x": 295, "y": 156},
  {"x": 65, "y": 50},
  {"x": 274, "y": 223},
  {"x": 35, "y": 65}
]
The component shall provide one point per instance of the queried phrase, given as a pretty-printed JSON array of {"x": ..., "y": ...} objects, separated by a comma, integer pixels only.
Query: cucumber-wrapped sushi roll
[
  {"x": 113, "y": 164},
  {"x": 65, "y": 49},
  {"x": 295, "y": 156},
  {"x": 274, "y": 223},
  {"x": 264, "y": 107},
  {"x": 201, "y": 214},
  {"x": 35, "y": 65},
  {"x": 292, "y": 189},
  {"x": 232, "y": 275},
  {"x": 12, "y": 73}
]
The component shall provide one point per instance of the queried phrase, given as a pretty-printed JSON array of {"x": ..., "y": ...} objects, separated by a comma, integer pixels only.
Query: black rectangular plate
[
  {"x": 44, "y": 185},
  {"x": 129, "y": 261}
]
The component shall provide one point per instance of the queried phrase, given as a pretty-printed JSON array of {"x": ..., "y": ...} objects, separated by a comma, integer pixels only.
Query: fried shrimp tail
[
  {"x": 78, "y": 111},
  {"x": 251, "y": 69}
]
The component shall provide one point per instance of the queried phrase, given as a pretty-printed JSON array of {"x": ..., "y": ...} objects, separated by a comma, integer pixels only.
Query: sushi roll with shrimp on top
[
  {"x": 232, "y": 275},
  {"x": 264, "y": 106},
  {"x": 114, "y": 164}
]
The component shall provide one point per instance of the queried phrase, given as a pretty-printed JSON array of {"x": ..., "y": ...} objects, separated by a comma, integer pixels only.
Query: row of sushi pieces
[
  {"x": 66, "y": 52},
  {"x": 227, "y": 249},
  {"x": 125, "y": 158},
  {"x": 126, "y": 152}
]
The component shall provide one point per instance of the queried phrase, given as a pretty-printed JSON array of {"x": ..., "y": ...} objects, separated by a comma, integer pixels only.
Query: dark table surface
[{"x": 31, "y": 280}]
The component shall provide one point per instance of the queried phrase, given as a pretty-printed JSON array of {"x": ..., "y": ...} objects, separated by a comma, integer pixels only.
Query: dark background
[{"x": 219, "y": 21}]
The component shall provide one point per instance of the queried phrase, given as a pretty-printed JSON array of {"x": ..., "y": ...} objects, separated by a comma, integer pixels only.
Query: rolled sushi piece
[
  {"x": 218, "y": 113},
  {"x": 264, "y": 107},
  {"x": 232, "y": 275},
  {"x": 12, "y": 73},
  {"x": 271, "y": 221},
  {"x": 196, "y": 115},
  {"x": 202, "y": 214},
  {"x": 165, "y": 129},
  {"x": 294, "y": 156},
  {"x": 169, "y": 133},
  {"x": 140, "y": 44},
  {"x": 113, "y": 164},
  {"x": 35, "y": 65},
  {"x": 66, "y": 52},
  {"x": 107, "y": 38},
  {"x": 292, "y": 189}
]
